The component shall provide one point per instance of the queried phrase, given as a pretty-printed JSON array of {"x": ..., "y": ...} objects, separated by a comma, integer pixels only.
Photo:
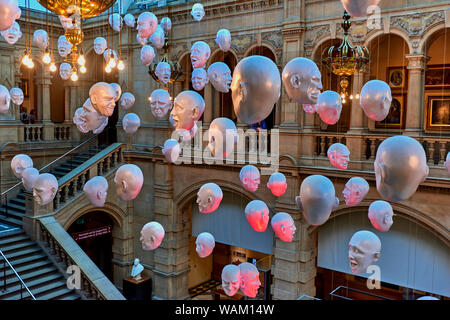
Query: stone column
[
  {"x": 44, "y": 86},
  {"x": 207, "y": 114},
  {"x": 67, "y": 103}
]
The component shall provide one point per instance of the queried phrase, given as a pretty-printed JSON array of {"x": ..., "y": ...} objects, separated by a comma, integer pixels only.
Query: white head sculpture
[
  {"x": 166, "y": 24},
  {"x": 12, "y": 34},
  {"x": 171, "y": 150},
  {"x": 117, "y": 90},
  {"x": 45, "y": 187},
  {"x": 102, "y": 97},
  {"x": 231, "y": 278},
  {"x": 65, "y": 70},
  {"x": 329, "y": 107},
  {"x": 147, "y": 55},
  {"x": 127, "y": 100},
  {"x": 100, "y": 45},
  {"x": 339, "y": 155},
  {"x": 66, "y": 22},
  {"x": 110, "y": 54},
  {"x": 116, "y": 22},
  {"x": 302, "y": 80},
  {"x": 209, "y": 197},
  {"x": 29, "y": 175},
  {"x": 256, "y": 87},
  {"x": 131, "y": 123},
  {"x": 90, "y": 119},
  {"x": 19, "y": 163},
  {"x": 16, "y": 96},
  {"x": 355, "y": 190},
  {"x": 141, "y": 41},
  {"x": 96, "y": 191},
  {"x": 204, "y": 244},
  {"x": 223, "y": 39},
  {"x": 79, "y": 121},
  {"x": 447, "y": 162},
  {"x": 128, "y": 180},
  {"x": 129, "y": 20},
  {"x": 188, "y": 108},
  {"x": 427, "y": 298},
  {"x": 380, "y": 215},
  {"x": 375, "y": 99},
  {"x": 358, "y": 8},
  {"x": 40, "y": 37},
  {"x": 317, "y": 199},
  {"x": 250, "y": 177},
  {"x": 5, "y": 99},
  {"x": 197, "y": 12},
  {"x": 162, "y": 71},
  {"x": 222, "y": 136},
  {"x": 400, "y": 166},
  {"x": 283, "y": 225},
  {"x": 199, "y": 78},
  {"x": 64, "y": 46},
  {"x": 152, "y": 234},
  {"x": 249, "y": 279},
  {"x": 146, "y": 24},
  {"x": 277, "y": 184},
  {"x": 220, "y": 76},
  {"x": 200, "y": 52},
  {"x": 9, "y": 13},
  {"x": 160, "y": 103},
  {"x": 157, "y": 38},
  {"x": 257, "y": 214},
  {"x": 363, "y": 251}
]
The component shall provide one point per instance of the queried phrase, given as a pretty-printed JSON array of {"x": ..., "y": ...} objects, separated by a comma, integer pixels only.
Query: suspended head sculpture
[
  {"x": 220, "y": 76},
  {"x": 166, "y": 24},
  {"x": 358, "y": 8},
  {"x": 79, "y": 121},
  {"x": 162, "y": 71},
  {"x": 19, "y": 163},
  {"x": 283, "y": 225},
  {"x": 223, "y": 39},
  {"x": 44, "y": 188},
  {"x": 147, "y": 55},
  {"x": 129, "y": 20},
  {"x": 249, "y": 279},
  {"x": 375, "y": 99},
  {"x": 128, "y": 180},
  {"x": 146, "y": 24},
  {"x": 29, "y": 175},
  {"x": 363, "y": 251},
  {"x": 141, "y": 41},
  {"x": 199, "y": 78},
  {"x": 380, "y": 215},
  {"x": 257, "y": 214},
  {"x": 355, "y": 190},
  {"x": 127, "y": 100},
  {"x": 222, "y": 136},
  {"x": 64, "y": 46},
  {"x": 117, "y": 91},
  {"x": 102, "y": 97},
  {"x": 447, "y": 162},
  {"x": 277, "y": 184},
  {"x": 9, "y": 13},
  {"x": 40, "y": 37},
  {"x": 65, "y": 70},
  {"x": 110, "y": 54},
  {"x": 96, "y": 191},
  {"x": 16, "y": 96},
  {"x": 204, "y": 244},
  {"x": 152, "y": 234},
  {"x": 160, "y": 103},
  {"x": 5, "y": 99},
  {"x": 329, "y": 107},
  {"x": 231, "y": 278},
  {"x": 171, "y": 150},
  {"x": 200, "y": 52},
  {"x": 131, "y": 123},
  {"x": 90, "y": 119},
  {"x": 255, "y": 88},
  {"x": 12, "y": 34},
  {"x": 157, "y": 38},
  {"x": 400, "y": 166},
  {"x": 116, "y": 22},
  {"x": 250, "y": 177},
  {"x": 100, "y": 45},
  {"x": 209, "y": 197},
  {"x": 188, "y": 108},
  {"x": 197, "y": 12},
  {"x": 339, "y": 155}
]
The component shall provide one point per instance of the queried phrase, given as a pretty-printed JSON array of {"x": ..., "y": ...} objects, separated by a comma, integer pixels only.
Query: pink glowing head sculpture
[
  {"x": 188, "y": 108},
  {"x": 222, "y": 136},
  {"x": 380, "y": 215},
  {"x": 375, "y": 99},
  {"x": 171, "y": 150},
  {"x": 209, "y": 197},
  {"x": 146, "y": 24},
  {"x": 329, "y": 107},
  {"x": 277, "y": 184},
  {"x": 363, "y": 251},
  {"x": 339, "y": 155},
  {"x": 231, "y": 278},
  {"x": 128, "y": 180},
  {"x": 358, "y": 8},
  {"x": 249, "y": 279},
  {"x": 28, "y": 177},
  {"x": 355, "y": 190},
  {"x": 200, "y": 52},
  {"x": 9, "y": 13},
  {"x": 96, "y": 191},
  {"x": 250, "y": 177},
  {"x": 257, "y": 214},
  {"x": 283, "y": 225},
  {"x": 204, "y": 244},
  {"x": 19, "y": 163},
  {"x": 152, "y": 234}
]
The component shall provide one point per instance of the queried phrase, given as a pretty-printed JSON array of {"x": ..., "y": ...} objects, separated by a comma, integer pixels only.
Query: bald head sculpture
[
  {"x": 363, "y": 251},
  {"x": 9, "y": 13},
  {"x": 146, "y": 24},
  {"x": 152, "y": 234},
  {"x": 188, "y": 108},
  {"x": 19, "y": 163},
  {"x": 375, "y": 99},
  {"x": 103, "y": 98},
  {"x": 209, "y": 197},
  {"x": 231, "y": 278},
  {"x": 204, "y": 244},
  {"x": 128, "y": 180},
  {"x": 45, "y": 187},
  {"x": 249, "y": 279},
  {"x": 222, "y": 136},
  {"x": 96, "y": 190},
  {"x": 283, "y": 225},
  {"x": 200, "y": 53}
]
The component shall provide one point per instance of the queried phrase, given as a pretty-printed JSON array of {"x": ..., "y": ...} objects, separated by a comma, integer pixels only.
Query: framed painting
[
  {"x": 397, "y": 112},
  {"x": 437, "y": 76},
  {"x": 438, "y": 112},
  {"x": 397, "y": 77}
]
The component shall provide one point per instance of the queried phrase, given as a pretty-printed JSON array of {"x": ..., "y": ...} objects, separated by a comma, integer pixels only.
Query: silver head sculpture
[
  {"x": 171, "y": 150},
  {"x": 283, "y": 225},
  {"x": 19, "y": 163},
  {"x": 355, "y": 190},
  {"x": 16, "y": 96},
  {"x": 157, "y": 38},
  {"x": 447, "y": 162},
  {"x": 28, "y": 177},
  {"x": 40, "y": 37},
  {"x": 45, "y": 187},
  {"x": 204, "y": 244},
  {"x": 359, "y": 8},
  {"x": 256, "y": 87},
  {"x": 146, "y": 24},
  {"x": 302, "y": 80},
  {"x": 66, "y": 22},
  {"x": 129, "y": 180},
  {"x": 400, "y": 166},
  {"x": 117, "y": 90},
  {"x": 96, "y": 191},
  {"x": 9, "y": 13},
  {"x": 223, "y": 39},
  {"x": 380, "y": 215},
  {"x": 102, "y": 97},
  {"x": 129, "y": 20},
  {"x": 317, "y": 199},
  {"x": 166, "y": 24},
  {"x": 329, "y": 107},
  {"x": 64, "y": 46},
  {"x": 116, "y": 22},
  {"x": 79, "y": 121},
  {"x": 277, "y": 184},
  {"x": 152, "y": 234},
  {"x": 231, "y": 278},
  {"x": 100, "y": 45},
  {"x": 339, "y": 155},
  {"x": 131, "y": 123},
  {"x": 250, "y": 177},
  {"x": 188, "y": 108},
  {"x": 198, "y": 12},
  {"x": 12, "y": 34},
  {"x": 90, "y": 119},
  {"x": 257, "y": 214},
  {"x": 162, "y": 71},
  {"x": 222, "y": 136},
  {"x": 375, "y": 99},
  {"x": 200, "y": 53},
  {"x": 147, "y": 55},
  {"x": 199, "y": 78},
  {"x": 160, "y": 103},
  {"x": 141, "y": 41},
  {"x": 5, "y": 99},
  {"x": 65, "y": 70},
  {"x": 220, "y": 76},
  {"x": 249, "y": 279},
  {"x": 364, "y": 250},
  {"x": 127, "y": 100},
  {"x": 209, "y": 197}
]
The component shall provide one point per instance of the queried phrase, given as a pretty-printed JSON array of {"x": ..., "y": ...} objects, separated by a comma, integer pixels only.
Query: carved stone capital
[{"x": 417, "y": 61}]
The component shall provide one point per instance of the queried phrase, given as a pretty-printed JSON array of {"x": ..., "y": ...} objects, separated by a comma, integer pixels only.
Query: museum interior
[{"x": 225, "y": 150}]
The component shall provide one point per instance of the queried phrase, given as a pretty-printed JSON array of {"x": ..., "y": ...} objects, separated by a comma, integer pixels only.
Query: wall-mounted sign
[{"x": 92, "y": 233}]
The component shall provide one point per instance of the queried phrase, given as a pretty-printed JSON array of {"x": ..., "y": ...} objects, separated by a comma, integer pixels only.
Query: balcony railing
[{"x": 33, "y": 133}]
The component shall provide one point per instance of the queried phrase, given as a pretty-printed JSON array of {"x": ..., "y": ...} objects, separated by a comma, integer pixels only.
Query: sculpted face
[
  {"x": 223, "y": 39},
  {"x": 358, "y": 8},
  {"x": 223, "y": 136},
  {"x": 363, "y": 250},
  {"x": 12, "y": 34},
  {"x": 162, "y": 71},
  {"x": 90, "y": 119},
  {"x": 329, "y": 107},
  {"x": 447, "y": 162},
  {"x": 257, "y": 214},
  {"x": 375, "y": 99},
  {"x": 355, "y": 190},
  {"x": 117, "y": 91},
  {"x": 166, "y": 24},
  {"x": 116, "y": 22},
  {"x": 171, "y": 150},
  {"x": 209, "y": 197},
  {"x": 400, "y": 166},
  {"x": 127, "y": 100},
  {"x": 256, "y": 87},
  {"x": 40, "y": 37},
  {"x": 250, "y": 177},
  {"x": 65, "y": 70},
  {"x": 44, "y": 188},
  {"x": 129, "y": 20},
  {"x": 277, "y": 184},
  {"x": 204, "y": 244},
  {"x": 131, "y": 123},
  {"x": 100, "y": 45},
  {"x": 188, "y": 108},
  {"x": 110, "y": 54},
  {"x": 29, "y": 175},
  {"x": 220, "y": 76},
  {"x": 283, "y": 225},
  {"x": 102, "y": 97},
  {"x": 78, "y": 121},
  {"x": 197, "y": 12},
  {"x": 146, "y": 24},
  {"x": 249, "y": 279},
  {"x": 199, "y": 78},
  {"x": 16, "y": 96},
  {"x": 302, "y": 80},
  {"x": 5, "y": 99},
  {"x": 141, "y": 41},
  {"x": 231, "y": 278},
  {"x": 152, "y": 235},
  {"x": 9, "y": 13},
  {"x": 160, "y": 103},
  {"x": 128, "y": 180},
  {"x": 19, "y": 163},
  {"x": 64, "y": 46},
  {"x": 96, "y": 191},
  {"x": 200, "y": 53},
  {"x": 66, "y": 22},
  {"x": 380, "y": 215},
  {"x": 147, "y": 55},
  {"x": 157, "y": 38},
  {"x": 339, "y": 155}
]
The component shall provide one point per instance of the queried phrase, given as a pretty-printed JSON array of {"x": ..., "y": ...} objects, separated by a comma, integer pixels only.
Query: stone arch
[
  {"x": 218, "y": 51},
  {"x": 264, "y": 44},
  {"x": 288, "y": 160},
  {"x": 377, "y": 33},
  {"x": 182, "y": 56},
  {"x": 319, "y": 42},
  {"x": 115, "y": 212},
  {"x": 429, "y": 35}
]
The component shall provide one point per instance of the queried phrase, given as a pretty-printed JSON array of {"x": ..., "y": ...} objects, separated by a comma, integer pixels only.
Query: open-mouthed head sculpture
[
  {"x": 198, "y": 12},
  {"x": 128, "y": 180},
  {"x": 363, "y": 251},
  {"x": 355, "y": 190},
  {"x": 131, "y": 123},
  {"x": 209, "y": 197},
  {"x": 16, "y": 96},
  {"x": 29, "y": 175},
  {"x": 9, "y": 13},
  {"x": 400, "y": 166},
  {"x": 231, "y": 278},
  {"x": 127, "y": 100},
  {"x": 162, "y": 71},
  {"x": 40, "y": 37},
  {"x": 147, "y": 55},
  {"x": 250, "y": 177},
  {"x": 249, "y": 279},
  {"x": 160, "y": 103},
  {"x": 339, "y": 155},
  {"x": 45, "y": 187},
  {"x": 257, "y": 214},
  {"x": 103, "y": 98},
  {"x": 129, "y": 20},
  {"x": 5, "y": 99},
  {"x": 200, "y": 53},
  {"x": 65, "y": 70},
  {"x": 12, "y": 34},
  {"x": 277, "y": 184},
  {"x": 146, "y": 24},
  {"x": 375, "y": 99},
  {"x": 117, "y": 90},
  {"x": 96, "y": 191},
  {"x": 329, "y": 107},
  {"x": 157, "y": 38},
  {"x": 19, "y": 163},
  {"x": 222, "y": 136},
  {"x": 204, "y": 244},
  {"x": 220, "y": 76},
  {"x": 283, "y": 225},
  {"x": 90, "y": 119},
  {"x": 116, "y": 21},
  {"x": 256, "y": 87},
  {"x": 171, "y": 150},
  {"x": 166, "y": 24},
  {"x": 152, "y": 234},
  {"x": 358, "y": 8},
  {"x": 100, "y": 45},
  {"x": 199, "y": 78},
  {"x": 188, "y": 108},
  {"x": 64, "y": 46},
  {"x": 380, "y": 215},
  {"x": 223, "y": 39}
]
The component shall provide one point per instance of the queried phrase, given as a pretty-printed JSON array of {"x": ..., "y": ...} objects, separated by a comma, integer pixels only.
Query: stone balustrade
[
  {"x": 38, "y": 132},
  {"x": 324, "y": 141},
  {"x": 32, "y": 133},
  {"x": 62, "y": 131}
]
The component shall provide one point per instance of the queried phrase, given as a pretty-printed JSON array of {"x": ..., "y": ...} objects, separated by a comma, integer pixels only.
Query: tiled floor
[{"x": 204, "y": 291}]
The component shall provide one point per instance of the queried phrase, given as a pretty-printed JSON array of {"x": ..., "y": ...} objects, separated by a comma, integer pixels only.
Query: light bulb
[
  {"x": 344, "y": 101},
  {"x": 112, "y": 63},
  {"x": 46, "y": 58},
  {"x": 357, "y": 96},
  {"x": 74, "y": 76},
  {"x": 26, "y": 59},
  {"x": 52, "y": 67},
  {"x": 83, "y": 69},
  {"x": 351, "y": 97},
  {"x": 30, "y": 64},
  {"x": 343, "y": 96},
  {"x": 81, "y": 60},
  {"x": 108, "y": 69},
  {"x": 120, "y": 65}
]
